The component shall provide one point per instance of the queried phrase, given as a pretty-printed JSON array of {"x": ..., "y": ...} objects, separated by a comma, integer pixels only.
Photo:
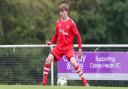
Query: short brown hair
[{"x": 64, "y": 6}]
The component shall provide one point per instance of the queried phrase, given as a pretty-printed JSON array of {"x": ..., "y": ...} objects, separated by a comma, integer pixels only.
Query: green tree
[{"x": 102, "y": 21}]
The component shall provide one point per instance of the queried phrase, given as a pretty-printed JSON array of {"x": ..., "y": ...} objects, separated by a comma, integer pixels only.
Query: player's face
[{"x": 63, "y": 13}]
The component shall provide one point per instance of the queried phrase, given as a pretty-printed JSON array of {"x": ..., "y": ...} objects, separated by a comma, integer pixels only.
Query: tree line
[{"x": 33, "y": 21}]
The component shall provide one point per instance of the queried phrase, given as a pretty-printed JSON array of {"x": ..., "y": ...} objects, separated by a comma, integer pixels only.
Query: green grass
[{"x": 54, "y": 87}]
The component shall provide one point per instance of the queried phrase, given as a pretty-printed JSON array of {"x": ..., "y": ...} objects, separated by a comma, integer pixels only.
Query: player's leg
[
  {"x": 78, "y": 70},
  {"x": 55, "y": 55},
  {"x": 71, "y": 56},
  {"x": 47, "y": 66}
]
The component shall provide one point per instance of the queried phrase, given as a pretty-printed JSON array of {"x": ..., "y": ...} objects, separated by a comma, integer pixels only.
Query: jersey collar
[{"x": 65, "y": 20}]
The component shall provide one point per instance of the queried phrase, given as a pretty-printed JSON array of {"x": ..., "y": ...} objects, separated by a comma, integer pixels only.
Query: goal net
[{"x": 22, "y": 64}]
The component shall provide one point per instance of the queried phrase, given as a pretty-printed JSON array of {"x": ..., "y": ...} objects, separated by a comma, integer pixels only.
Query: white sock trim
[
  {"x": 46, "y": 69},
  {"x": 45, "y": 72}
]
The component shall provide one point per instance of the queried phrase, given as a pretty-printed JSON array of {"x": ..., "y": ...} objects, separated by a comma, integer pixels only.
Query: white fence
[{"x": 97, "y": 46}]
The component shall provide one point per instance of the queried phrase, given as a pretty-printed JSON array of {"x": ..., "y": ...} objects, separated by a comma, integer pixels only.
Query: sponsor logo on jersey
[{"x": 62, "y": 31}]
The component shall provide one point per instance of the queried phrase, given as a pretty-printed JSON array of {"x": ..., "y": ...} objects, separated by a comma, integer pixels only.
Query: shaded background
[{"x": 33, "y": 21}]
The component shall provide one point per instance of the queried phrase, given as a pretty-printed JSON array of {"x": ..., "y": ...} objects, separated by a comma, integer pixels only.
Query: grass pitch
[{"x": 54, "y": 87}]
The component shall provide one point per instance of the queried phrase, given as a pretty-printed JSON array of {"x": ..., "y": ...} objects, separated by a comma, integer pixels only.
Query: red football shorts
[{"x": 58, "y": 53}]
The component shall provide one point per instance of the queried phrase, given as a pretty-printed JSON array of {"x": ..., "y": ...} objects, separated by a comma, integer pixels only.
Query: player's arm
[
  {"x": 54, "y": 38},
  {"x": 77, "y": 34},
  {"x": 79, "y": 45}
]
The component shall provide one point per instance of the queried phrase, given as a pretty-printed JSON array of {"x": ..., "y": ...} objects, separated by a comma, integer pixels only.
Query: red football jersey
[{"x": 65, "y": 33}]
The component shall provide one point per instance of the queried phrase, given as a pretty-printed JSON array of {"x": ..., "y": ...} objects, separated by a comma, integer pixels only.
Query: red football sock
[
  {"x": 80, "y": 72},
  {"x": 45, "y": 73}
]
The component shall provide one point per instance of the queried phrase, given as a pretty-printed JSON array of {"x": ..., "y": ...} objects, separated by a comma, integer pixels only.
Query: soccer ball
[{"x": 62, "y": 81}]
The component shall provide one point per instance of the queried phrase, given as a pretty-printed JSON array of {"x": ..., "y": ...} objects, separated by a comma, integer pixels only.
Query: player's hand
[
  {"x": 79, "y": 53},
  {"x": 48, "y": 42}
]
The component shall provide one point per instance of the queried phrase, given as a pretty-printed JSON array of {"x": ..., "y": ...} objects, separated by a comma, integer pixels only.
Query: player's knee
[
  {"x": 73, "y": 61},
  {"x": 49, "y": 59}
]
